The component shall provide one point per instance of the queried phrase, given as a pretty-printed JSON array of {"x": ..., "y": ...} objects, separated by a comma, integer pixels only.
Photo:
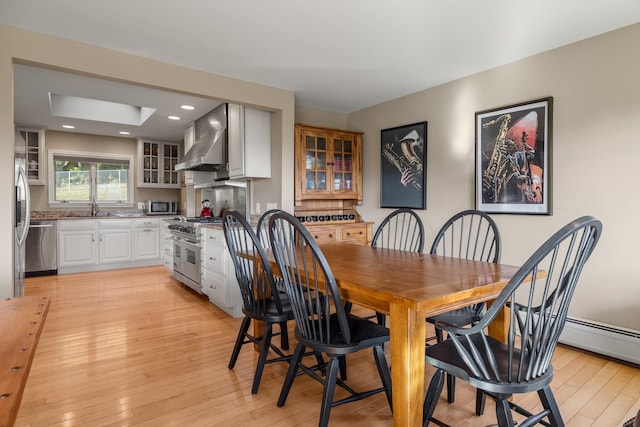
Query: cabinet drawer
[
  {"x": 214, "y": 258},
  {"x": 146, "y": 222},
  {"x": 114, "y": 224},
  {"x": 214, "y": 236},
  {"x": 354, "y": 234},
  {"x": 214, "y": 287},
  {"x": 77, "y": 224},
  {"x": 324, "y": 235}
]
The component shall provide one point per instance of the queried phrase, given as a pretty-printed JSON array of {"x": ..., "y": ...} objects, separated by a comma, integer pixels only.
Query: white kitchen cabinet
[
  {"x": 34, "y": 139},
  {"x": 249, "y": 135},
  {"x": 166, "y": 246},
  {"x": 146, "y": 238},
  {"x": 218, "y": 277},
  {"x": 156, "y": 164},
  {"x": 115, "y": 240},
  {"x": 99, "y": 244},
  {"x": 77, "y": 244}
]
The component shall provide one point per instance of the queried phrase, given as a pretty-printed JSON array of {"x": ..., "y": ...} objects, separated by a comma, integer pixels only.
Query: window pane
[
  {"x": 73, "y": 180},
  {"x": 112, "y": 181}
]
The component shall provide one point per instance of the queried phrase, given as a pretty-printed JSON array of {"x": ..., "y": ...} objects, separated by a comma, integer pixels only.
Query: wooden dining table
[{"x": 409, "y": 287}]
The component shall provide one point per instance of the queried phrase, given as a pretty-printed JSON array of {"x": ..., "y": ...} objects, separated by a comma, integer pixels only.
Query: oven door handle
[
  {"x": 181, "y": 239},
  {"x": 188, "y": 242}
]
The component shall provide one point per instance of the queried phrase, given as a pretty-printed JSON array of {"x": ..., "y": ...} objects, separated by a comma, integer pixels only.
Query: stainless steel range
[{"x": 186, "y": 234}]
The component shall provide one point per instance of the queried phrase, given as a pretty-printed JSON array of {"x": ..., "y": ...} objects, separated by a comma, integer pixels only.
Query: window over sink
[{"x": 78, "y": 178}]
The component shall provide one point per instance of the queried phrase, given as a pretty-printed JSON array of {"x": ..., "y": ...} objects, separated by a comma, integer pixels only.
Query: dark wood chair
[
  {"x": 537, "y": 300},
  {"x": 261, "y": 300},
  {"x": 401, "y": 230},
  {"x": 322, "y": 325},
  {"x": 472, "y": 235},
  {"x": 262, "y": 227}
]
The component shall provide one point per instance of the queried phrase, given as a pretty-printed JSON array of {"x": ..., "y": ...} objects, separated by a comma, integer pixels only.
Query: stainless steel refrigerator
[{"x": 21, "y": 215}]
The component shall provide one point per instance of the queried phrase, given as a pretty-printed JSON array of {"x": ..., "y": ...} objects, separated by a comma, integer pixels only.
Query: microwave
[{"x": 161, "y": 207}]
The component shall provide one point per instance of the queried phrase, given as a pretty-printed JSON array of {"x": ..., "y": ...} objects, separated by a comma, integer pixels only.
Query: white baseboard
[{"x": 613, "y": 341}]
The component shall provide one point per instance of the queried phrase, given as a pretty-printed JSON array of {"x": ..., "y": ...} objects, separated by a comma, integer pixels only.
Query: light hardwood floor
[{"x": 135, "y": 347}]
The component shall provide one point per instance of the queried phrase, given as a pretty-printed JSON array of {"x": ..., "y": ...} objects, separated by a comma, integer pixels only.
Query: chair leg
[
  {"x": 433, "y": 394},
  {"x": 265, "y": 344},
  {"x": 383, "y": 370},
  {"x": 451, "y": 380},
  {"x": 347, "y": 307},
  {"x": 284, "y": 336},
  {"x": 549, "y": 402},
  {"x": 381, "y": 318},
  {"x": 343, "y": 367},
  {"x": 244, "y": 327},
  {"x": 329, "y": 390},
  {"x": 481, "y": 399},
  {"x": 503, "y": 412},
  {"x": 291, "y": 374}
]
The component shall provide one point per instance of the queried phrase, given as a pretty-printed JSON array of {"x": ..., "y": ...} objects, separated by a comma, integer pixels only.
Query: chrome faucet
[{"x": 94, "y": 206}]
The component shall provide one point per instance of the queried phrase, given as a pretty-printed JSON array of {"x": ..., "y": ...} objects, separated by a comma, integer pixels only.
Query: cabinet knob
[
  {"x": 348, "y": 233},
  {"x": 361, "y": 233},
  {"x": 316, "y": 237},
  {"x": 330, "y": 235}
]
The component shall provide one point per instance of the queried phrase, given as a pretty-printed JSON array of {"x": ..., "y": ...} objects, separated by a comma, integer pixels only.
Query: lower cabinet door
[
  {"x": 147, "y": 243},
  {"x": 77, "y": 248},
  {"x": 115, "y": 246}
]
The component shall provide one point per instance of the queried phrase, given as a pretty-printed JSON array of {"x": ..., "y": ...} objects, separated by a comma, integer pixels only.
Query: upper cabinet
[
  {"x": 328, "y": 164},
  {"x": 34, "y": 139},
  {"x": 249, "y": 136},
  {"x": 156, "y": 164}
]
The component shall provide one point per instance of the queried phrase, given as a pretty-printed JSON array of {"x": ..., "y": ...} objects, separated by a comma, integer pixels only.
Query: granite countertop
[{"x": 56, "y": 215}]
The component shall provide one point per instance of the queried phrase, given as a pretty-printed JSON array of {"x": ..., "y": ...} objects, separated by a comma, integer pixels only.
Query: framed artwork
[
  {"x": 403, "y": 177},
  {"x": 513, "y": 161}
]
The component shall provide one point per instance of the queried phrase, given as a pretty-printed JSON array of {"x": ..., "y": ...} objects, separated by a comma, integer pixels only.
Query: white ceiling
[{"x": 336, "y": 55}]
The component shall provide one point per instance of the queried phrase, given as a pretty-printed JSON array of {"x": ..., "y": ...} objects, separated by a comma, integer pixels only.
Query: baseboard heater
[{"x": 613, "y": 341}]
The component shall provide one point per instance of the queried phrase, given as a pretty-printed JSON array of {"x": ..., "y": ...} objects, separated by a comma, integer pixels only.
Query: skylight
[{"x": 97, "y": 110}]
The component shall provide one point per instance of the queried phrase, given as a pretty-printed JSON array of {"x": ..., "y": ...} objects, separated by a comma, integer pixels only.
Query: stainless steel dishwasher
[{"x": 42, "y": 248}]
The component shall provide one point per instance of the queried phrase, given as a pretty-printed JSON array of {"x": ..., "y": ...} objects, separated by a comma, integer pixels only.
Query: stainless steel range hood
[{"x": 209, "y": 152}]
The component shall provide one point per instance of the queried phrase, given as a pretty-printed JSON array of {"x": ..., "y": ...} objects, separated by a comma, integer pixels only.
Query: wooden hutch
[{"x": 328, "y": 183}]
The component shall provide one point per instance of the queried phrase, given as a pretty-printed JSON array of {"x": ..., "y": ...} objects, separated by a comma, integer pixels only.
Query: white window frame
[{"x": 123, "y": 158}]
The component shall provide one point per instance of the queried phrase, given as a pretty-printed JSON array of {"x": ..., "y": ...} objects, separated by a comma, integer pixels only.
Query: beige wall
[
  {"x": 595, "y": 151},
  {"x": 30, "y": 48}
]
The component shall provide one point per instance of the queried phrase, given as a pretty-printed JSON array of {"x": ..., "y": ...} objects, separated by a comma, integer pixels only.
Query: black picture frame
[
  {"x": 513, "y": 158},
  {"x": 403, "y": 174}
]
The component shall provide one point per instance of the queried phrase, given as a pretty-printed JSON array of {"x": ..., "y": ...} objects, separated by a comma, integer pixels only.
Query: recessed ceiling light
[
  {"x": 124, "y": 132},
  {"x": 68, "y": 126},
  {"x": 187, "y": 107},
  {"x": 174, "y": 118}
]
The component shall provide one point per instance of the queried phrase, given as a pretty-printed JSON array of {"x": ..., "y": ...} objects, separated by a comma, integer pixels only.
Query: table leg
[
  {"x": 408, "y": 333},
  {"x": 498, "y": 327}
]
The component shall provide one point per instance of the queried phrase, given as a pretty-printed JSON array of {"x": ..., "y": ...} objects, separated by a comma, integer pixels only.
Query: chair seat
[
  {"x": 462, "y": 316},
  {"x": 364, "y": 334},
  {"x": 444, "y": 355},
  {"x": 270, "y": 310}
]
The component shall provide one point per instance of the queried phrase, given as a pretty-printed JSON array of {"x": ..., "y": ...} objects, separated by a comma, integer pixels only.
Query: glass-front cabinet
[
  {"x": 328, "y": 163},
  {"x": 34, "y": 139},
  {"x": 156, "y": 164}
]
